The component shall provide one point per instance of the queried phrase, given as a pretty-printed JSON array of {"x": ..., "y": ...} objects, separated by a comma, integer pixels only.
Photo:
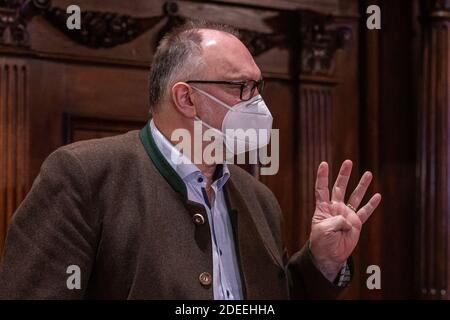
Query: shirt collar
[{"x": 182, "y": 165}]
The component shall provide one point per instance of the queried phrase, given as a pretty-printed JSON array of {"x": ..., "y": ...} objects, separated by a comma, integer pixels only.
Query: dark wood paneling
[
  {"x": 397, "y": 159},
  {"x": 434, "y": 157},
  {"x": 370, "y": 249},
  {"x": 278, "y": 98},
  {"x": 315, "y": 146},
  {"x": 99, "y": 91},
  {"x": 47, "y": 98},
  {"x": 14, "y": 139},
  {"x": 388, "y": 146},
  {"x": 83, "y": 128}
]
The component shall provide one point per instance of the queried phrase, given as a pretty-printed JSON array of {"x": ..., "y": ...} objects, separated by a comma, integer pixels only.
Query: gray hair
[{"x": 178, "y": 57}]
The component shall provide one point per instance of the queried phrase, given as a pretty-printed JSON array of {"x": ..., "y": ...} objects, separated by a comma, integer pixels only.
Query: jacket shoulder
[
  {"x": 105, "y": 147},
  {"x": 110, "y": 152},
  {"x": 112, "y": 158}
]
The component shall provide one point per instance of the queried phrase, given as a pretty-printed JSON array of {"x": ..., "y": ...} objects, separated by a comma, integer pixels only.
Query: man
[{"x": 118, "y": 218}]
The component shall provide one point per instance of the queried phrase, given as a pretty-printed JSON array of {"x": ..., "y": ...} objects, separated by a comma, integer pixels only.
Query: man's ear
[{"x": 181, "y": 96}]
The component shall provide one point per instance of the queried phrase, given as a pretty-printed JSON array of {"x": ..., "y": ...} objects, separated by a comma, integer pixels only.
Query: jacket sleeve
[
  {"x": 54, "y": 228},
  {"x": 306, "y": 281}
]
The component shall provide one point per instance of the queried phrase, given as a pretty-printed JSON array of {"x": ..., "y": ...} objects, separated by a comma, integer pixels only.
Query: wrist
[{"x": 329, "y": 268}]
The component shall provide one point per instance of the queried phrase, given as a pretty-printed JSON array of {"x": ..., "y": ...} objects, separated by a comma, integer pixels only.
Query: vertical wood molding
[
  {"x": 434, "y": 161},
  {"x": 312, "y": 67},
  {"x": 14, "y": 140},
  {"x": 371, "y": 61},
  {"x": 314, "y": 146}
]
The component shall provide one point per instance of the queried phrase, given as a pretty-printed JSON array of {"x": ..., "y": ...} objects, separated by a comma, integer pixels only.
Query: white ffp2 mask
[{"x": 246, "y": 126}]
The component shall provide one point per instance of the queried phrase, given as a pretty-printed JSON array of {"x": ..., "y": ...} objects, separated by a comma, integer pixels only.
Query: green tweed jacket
[{"x": 115, "y": 208}]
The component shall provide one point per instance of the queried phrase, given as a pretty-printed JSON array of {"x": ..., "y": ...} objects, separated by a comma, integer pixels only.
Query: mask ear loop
[
  {"x": 213, "y": 98},
  {"x": 224, "y": 135},
  {"x": 197, "y": 118}
]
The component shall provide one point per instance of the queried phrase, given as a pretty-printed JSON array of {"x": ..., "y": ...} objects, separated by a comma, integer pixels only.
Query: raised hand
[{"x": 336, "y": 225}]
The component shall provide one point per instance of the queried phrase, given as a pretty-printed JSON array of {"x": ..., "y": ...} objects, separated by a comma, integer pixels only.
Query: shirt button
[
  {"x": 198, "y": 219},
  {"x": 205, "y": 278},
  {"x": 200, "y": 179}
]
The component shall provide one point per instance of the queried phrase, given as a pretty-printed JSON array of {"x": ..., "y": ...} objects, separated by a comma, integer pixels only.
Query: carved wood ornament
[{"x": 318, "y": 36}]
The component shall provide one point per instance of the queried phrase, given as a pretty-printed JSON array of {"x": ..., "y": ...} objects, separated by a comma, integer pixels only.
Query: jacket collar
[
  {"x": 202, "y": 234},
  {"x": 183, "y": 166},
  {"x": 161, "y": 164}
]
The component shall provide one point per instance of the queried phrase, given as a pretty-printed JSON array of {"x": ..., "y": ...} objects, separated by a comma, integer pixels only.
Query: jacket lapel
[
  {"x": 202, "y": 234},
  {"x": 250, "y": 223}
]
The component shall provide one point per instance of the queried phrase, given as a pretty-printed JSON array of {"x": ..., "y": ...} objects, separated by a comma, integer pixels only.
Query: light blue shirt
[{"x": 226, "y": 277}]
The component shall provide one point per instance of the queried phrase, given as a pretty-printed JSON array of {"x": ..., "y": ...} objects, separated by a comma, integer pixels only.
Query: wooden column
[
  {"x": 321, "y": 37},
  {"x": 314, "y": 145},
  {"x": 434, "y": 161},
  {"x": 14, "y": 141}
]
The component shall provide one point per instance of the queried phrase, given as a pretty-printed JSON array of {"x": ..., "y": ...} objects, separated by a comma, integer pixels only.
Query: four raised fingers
[{"x": 340, "y": 187}]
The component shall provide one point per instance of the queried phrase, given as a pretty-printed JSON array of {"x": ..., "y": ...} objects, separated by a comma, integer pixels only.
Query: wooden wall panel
[
  {"x": 104, "y": 92},
  {"x": 434, "y": 158},
  {"x": 49, "y": 42},
  {"x": 14, "y": 139},
  {"x": 84, "y": 128},
  {"x": 346, "y": 135},
  {"x": 315, "y": 146},
  {"x": 278, "y": 98},
  {"x": 388, "y": 146},
  {"x": 369, "y": 96}
]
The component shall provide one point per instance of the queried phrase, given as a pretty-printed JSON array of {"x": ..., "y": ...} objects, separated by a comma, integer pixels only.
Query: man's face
[{"x": 226, "y": 58}]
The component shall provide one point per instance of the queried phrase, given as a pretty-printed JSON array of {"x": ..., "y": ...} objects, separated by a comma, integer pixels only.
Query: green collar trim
[{"x": 161, "y": 163}]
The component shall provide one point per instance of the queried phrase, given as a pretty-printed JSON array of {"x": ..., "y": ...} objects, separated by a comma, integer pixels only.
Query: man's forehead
[
  {"x": 227, "y": 56},
  {"x": 233, "y": 69}
]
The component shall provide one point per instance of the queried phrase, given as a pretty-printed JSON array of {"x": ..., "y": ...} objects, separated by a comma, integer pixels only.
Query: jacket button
[
  {"x": 205, "y": 278},
  {"x": 198, "y": 219}
]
